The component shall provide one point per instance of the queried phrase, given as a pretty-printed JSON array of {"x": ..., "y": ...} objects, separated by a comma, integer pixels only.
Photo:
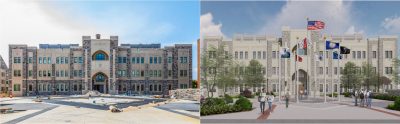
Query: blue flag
[
  {"x": 331, "y": 45},
  {"x": 336, "y": 55}
]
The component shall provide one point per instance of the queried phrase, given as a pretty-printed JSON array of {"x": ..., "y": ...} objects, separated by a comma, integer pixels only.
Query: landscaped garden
[{"x": 226, "y": 104}]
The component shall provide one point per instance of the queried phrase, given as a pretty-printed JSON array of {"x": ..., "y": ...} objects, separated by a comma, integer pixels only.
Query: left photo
[{"x": 99, "y": 62}]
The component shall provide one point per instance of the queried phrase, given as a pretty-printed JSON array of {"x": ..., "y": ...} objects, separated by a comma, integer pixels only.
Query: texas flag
[{"x": 298, "y": 58}]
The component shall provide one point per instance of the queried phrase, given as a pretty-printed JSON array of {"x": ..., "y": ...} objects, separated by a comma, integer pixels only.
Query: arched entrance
[
  {"x": 100, "y": 82},
  {"x": 303, "y": 84}
]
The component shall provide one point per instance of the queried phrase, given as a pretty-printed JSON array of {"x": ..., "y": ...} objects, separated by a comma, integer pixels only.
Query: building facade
[
  {"x": 379, "y": 52},
  {"x": 4, "y": 84},
  {"x": 99, "y": 64}
]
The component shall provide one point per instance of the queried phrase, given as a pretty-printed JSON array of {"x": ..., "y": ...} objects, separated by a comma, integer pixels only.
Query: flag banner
[
  {"x": 318, "y": 58},
  {"x": 344, "y": 50},
  {"x": 302, "y": 52},
  {"x": 336, "y": 55},
  {"x": 303, "y": 44},
  {"x": 298, "y": 58},
  {"x": 315, "y": 25},
  {"x": 285, "y": 53},
  {"x": 331, "y": 45}
]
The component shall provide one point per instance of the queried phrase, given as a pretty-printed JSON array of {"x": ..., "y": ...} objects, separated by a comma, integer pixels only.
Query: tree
[
  {"x": 216, "y": 65},
  {"x": 194, "y": 83},
  {"x": 395, "y": 74},
  {"x": 351, "y": 75},
  {"x": 369, "y": 75},
  {"x": 254, "y": 74}
]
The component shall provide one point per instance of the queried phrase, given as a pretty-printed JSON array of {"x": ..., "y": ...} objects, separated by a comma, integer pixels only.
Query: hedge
[{"x": 219, "y": 106}]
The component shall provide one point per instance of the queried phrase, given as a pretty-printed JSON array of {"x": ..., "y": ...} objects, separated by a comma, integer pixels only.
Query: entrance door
[{"x": 99, "y": 88}]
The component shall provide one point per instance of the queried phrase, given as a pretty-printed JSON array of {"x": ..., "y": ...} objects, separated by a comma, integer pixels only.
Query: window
[
  {"x": 151, "y": 60},
  {"x": 133, "y": 60},
  {"x": 264, "y": 54},
  {"x": 259, "y": 54},
  {"x": 44, "y": 60},
  {"x": 44, "y": 73},
  {"x": 80, "y": 73},
  {"x": 159, "y": 59},
  {"x": 66, "y": 60},
  {"x": 363, "y": 54},
  {"x": 321, "y": 70},
  {"x": 30, "y": 87},
  {"x": 169, "y": 59},
  {"x": 30, "y": 60},
  {"x": 388, "y": 70},
  {"x": 17, "y": 59},
  {"x": 388, "y": 54},
  {"x": 57, "y": 60},
  {"x": 66, "y": 73},
  {"x": 141, "y": 73},
  {"x": 327, "y": 70},
  {"x": 30, "y": 73},
  {"x": 17, "y": 87},
  {"x": 17, "y": 73},
  {"x": 321, "y": 88},
  {"x": 75, "y": 59},
  {"x": 273, "y": 54},
  {"x": 246, "y": 55},
  {"x": 155, "y": 60},
  {"x": 124, "y": 59},
  {"x": 49, "y": 60},
  {"x": 169, "y": 73},
  {"x": 353, "y": 53},
  {"x": 335, "y": 70},
  {"x": 137, "y": 60},
  {"x": 80, "y": 60},
  {"x": 358, "y": 54},
  {"x": 62, "y": 73},
  {"x": 241, "y": 54},
  {"x": 57, "y": 73},
  {"x": 100, "y": 78},
  {"x": 374, "y": 54},
  {"x": 40, "y": 60},
  {"x": 236, "y": 55},
  {"x": 61, "y": 60},
  {"x": 100, "y": 56},
  {"x": 254, "y": 55},
  {"x": 142, "y": 60}
]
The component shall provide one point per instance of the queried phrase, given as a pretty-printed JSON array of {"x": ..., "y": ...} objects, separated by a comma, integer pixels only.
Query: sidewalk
[{"x": 310, "y": 112}]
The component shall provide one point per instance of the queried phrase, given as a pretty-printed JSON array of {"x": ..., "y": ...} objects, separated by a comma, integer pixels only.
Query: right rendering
[{"x": 299, "y": 62}]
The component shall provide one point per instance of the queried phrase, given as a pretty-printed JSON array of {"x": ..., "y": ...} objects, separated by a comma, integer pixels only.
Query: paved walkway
[
  {"x": 311, "y": 112},
  {"x": 176, "y": 112}
]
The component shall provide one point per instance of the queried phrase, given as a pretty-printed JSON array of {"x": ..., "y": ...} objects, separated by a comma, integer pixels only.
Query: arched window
[
  {"x": 100, "y": 78},
  {"x": 100, "y": 55}
]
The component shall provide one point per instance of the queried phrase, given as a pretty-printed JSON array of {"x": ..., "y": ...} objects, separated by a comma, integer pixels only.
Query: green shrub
[
  {"x": 330, "y": 94},
  {"x": 384, "y": 96},
  {"x": 244, "y": 104},
  {"x": 347, "y": 94},
  {"x": 395, "y": 105},
  {"x": 228, "y": 99},
  {"x": 214, "y": 101}
]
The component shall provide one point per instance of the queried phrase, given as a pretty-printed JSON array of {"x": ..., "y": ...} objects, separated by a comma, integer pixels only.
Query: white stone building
[{"x": 378, "y": 51}]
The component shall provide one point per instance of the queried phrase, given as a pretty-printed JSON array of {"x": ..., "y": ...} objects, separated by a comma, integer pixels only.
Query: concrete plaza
[
  {"x": 69, "y": 109},
  {"x": 312, "y": 112}
]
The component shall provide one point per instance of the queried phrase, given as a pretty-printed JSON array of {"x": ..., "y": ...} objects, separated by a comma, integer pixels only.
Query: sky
[
  {"x": 267, "y": 17},
  {"x": 65, "y": 22}
]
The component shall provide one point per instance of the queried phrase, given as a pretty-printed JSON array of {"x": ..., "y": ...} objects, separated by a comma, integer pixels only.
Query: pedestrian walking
[
  {"x": 369, "y": 97},
  {"x": 362, "y": 101},
  {"x": 355, "y": 94},
  {"x": 261, "y": 100},
  {"x": 270, "y": 100},
  {"x": 287, "y": 99}
]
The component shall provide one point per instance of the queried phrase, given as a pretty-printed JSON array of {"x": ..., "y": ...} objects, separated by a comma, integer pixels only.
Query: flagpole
[
  {"x": 325, "y": 71},
  {"x": 279, "y": 68},
  {"x": 308, "y": 62},
  {"x": 338, "y": 67},
  {"x": 297, "y": 71},
  {"x": 332, "y": 71}
]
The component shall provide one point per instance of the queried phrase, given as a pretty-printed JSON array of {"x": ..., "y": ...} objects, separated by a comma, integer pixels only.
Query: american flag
[{"x": 315, "y": 25}]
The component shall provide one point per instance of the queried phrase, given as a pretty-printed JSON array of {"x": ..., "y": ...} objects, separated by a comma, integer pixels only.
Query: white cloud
[
  {"x": 335, "y": 14},
  {"x": 208, "y": 27},
  {"x": 391, "y": 24},
  {"x": 30, "y": 23},
  {"x": 352, "y": 30}
]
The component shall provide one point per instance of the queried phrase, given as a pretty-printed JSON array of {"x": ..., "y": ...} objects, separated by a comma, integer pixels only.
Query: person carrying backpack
[
  {"x": 261, "y": 100},
  {"x": 362, "y": 102}
]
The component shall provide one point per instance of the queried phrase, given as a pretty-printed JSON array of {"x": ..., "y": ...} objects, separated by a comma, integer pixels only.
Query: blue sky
[
  {"x": 65, "y": 22},
  {"x": 267, "y": 17}
]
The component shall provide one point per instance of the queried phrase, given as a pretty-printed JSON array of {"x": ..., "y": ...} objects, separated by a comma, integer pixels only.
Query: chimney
[{"x": 97, "y": 36}]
